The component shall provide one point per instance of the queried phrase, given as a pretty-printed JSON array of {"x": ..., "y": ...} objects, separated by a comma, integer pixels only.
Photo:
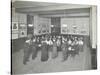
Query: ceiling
[
  {"x": 27, "y": 4},
  {"x": 44, "y": 8}
]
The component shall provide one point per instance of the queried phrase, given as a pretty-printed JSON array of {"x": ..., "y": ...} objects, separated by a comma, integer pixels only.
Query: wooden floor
[{"x": 80, "y": 62}]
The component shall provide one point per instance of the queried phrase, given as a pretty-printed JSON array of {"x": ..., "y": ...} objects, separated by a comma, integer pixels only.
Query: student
[
  {"x": 81, "y": 44},
  {"x": 69, "y": 46},
  {"x": 50, "y": 43},
  {"x": 54, "y": 49},
  {"x": 58, "y": 43},
  {"x": 76, "y": 46},
  {"x": 69, "y": 42},
  {"x": 27, "y": 49},
  {"x": 54, "y": 38},
  {"x": 44, "y": 50},
  {"x": 64, "y": 49},
  {"x": 34, "y": 48}
]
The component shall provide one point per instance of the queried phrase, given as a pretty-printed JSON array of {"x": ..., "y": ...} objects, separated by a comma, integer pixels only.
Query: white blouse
[{"x": 69, "y": 42}]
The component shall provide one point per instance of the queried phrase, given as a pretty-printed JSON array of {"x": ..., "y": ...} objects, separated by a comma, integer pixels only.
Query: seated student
[
  {"x": 37, "y": 42},
  {"x": 58, "y": 43},
  {"x": 74, "y": 47},
  {"x": 50, "y": 43},
  {"x": 44, "y": 51},
  {"x": 54, "y": 38},
  {"x": 81, "y": 44},
  {"x": 64, "y": 49},
  {"x": 28, "y": 48},
  {"x": 47, "y": 42},
  {"x": 69, "y": 50},
  {"x": 69, "y": 42},
  {"x": 69, "y": 46}
]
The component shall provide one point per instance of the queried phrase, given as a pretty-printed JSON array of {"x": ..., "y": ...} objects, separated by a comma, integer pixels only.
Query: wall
[
  {"x": 56, "y": 23},
  {"x": 41, "y": 25},
  {"x": 75, "y": 25},
  {"x": 21, "y": 25}
]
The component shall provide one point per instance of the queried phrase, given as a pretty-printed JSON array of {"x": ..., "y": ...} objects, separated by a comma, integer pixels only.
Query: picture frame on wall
[
  {"x": 22, "y": 26},
  {"x": 14, "y": 26},
  {"x": 22, "y": 33}
]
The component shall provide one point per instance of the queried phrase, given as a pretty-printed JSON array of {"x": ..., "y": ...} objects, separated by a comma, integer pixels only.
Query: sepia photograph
[{"x": 52, "y": 37}]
